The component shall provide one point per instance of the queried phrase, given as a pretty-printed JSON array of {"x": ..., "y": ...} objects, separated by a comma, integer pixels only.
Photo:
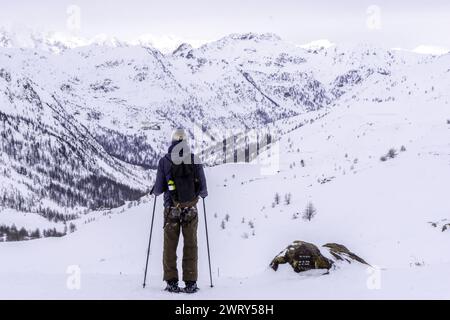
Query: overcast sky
[{"x": 405, "y": 24}]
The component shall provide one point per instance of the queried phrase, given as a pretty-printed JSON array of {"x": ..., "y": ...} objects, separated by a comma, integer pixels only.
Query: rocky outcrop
[
  {"x": 341, "y": 253},
  {"x": 304, "y": 256}
]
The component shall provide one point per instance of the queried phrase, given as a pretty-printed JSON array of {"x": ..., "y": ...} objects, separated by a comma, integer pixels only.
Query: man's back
[{"x": 164, "y": 173}]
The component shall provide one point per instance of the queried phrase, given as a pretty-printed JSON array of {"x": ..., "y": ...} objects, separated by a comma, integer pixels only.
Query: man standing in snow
[{"x": 181, "y": 178}]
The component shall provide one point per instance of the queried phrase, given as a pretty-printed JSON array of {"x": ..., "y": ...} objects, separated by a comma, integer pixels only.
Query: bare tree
[
  {"x": 309, "y": 212},
  {"x": 277, "y": 198},
  {"x": 72, "y": 227},
  {"x": 392, "y": 153},
  {"x": 287, "y": 199}
]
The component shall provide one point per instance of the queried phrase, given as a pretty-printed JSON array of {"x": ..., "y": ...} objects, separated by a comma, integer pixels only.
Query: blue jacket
[{"x": 163, "y": 175}]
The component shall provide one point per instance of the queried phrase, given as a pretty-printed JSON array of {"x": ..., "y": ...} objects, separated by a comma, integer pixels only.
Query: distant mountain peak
[
  {"x": 236, "y": 38},
  {"x": 254, "y": 36}
]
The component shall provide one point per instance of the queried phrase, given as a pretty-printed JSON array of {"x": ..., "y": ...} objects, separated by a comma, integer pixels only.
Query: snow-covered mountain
[
  {"x": 50, "y": 163},
  {"x": 105, "y": 110}
]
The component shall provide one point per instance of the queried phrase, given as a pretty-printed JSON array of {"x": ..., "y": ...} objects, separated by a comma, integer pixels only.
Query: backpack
[{"x": 185, "y": 182}]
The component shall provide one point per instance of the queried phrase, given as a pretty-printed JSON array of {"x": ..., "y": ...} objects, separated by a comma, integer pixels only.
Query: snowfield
[{"x": 380, "y": 210}]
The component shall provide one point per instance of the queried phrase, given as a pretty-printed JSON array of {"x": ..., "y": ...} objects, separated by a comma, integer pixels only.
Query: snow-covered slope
[{"x": 380, "y": 209}]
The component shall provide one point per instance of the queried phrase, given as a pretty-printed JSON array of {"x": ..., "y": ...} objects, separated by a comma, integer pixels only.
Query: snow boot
[
  {"x": 191, "y": 287},
  {"x": 172, "y": 286}
]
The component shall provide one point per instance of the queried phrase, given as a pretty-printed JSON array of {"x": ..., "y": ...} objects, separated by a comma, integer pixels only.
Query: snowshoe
[
  {"x": 172, "y": 286},
  {"x": 191, "y": 287}
]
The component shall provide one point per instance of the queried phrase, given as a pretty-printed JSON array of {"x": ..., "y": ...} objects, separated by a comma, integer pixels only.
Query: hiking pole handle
[
  {"x": 207, "y": 243},
  {"x": 149, "y": 242}
]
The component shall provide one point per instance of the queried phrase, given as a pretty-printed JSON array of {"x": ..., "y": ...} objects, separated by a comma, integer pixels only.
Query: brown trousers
[{"x": 190, "y": 250}]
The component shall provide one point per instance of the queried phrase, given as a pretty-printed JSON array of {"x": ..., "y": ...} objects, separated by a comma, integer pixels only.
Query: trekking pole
[
  {"x": 149, "y": 242},
  {"x": 207, "y": 244}
]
